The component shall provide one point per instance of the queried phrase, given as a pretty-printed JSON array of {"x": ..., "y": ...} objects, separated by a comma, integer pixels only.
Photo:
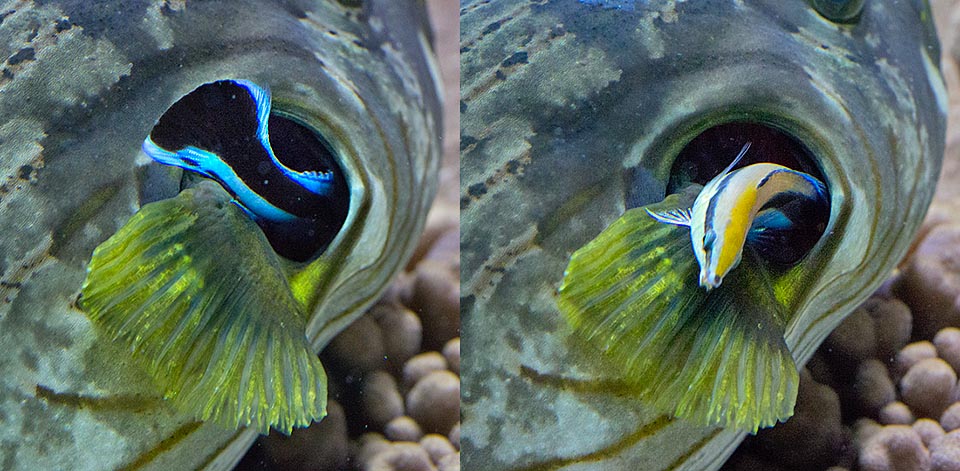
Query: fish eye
[
  {"x": 282, "y": 172},
  {"x": 839, "y": 11}
]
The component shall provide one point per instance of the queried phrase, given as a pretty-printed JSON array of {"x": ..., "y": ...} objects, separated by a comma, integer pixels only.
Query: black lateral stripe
[
  {"x": 712, "y": 205},
  {"x": 815, "y": 184},
  {"x": 764, "y": 180}
]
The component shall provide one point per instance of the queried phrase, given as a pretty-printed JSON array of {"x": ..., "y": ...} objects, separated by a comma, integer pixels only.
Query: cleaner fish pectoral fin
[
  {"x": 219, "y": 330},
  {"x": 697, "y": 355},
  {"x": 677, "y": 217}
]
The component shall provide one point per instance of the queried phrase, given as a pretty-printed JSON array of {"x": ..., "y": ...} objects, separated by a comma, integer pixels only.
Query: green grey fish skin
[
  {"x": 82, "y": 87},
  {"x": 565, "y": 106}
]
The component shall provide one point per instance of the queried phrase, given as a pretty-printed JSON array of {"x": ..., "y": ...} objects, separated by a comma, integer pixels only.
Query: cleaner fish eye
[{"x": 278, "y": 171}]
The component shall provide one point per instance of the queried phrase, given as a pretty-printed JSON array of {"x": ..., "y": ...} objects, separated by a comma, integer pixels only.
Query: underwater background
[
  {"x": 881, "y": 393},
  {"x": 394, "y": 374}
]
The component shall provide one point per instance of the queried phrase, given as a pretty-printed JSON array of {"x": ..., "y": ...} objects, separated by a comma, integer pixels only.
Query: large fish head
[
  {"x": 83, "y": 85},
  {"x": 575, "y": 111}
]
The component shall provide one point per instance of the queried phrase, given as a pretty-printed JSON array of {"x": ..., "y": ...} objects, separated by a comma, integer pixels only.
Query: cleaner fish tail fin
[
  {"x": 714, "y": 358},
  {"x": 192, "y": 286}
]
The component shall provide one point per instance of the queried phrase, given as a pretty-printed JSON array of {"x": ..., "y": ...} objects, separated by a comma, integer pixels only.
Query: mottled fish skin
[
  {"x": 82, "y": 86},
  {"x": 571, "y": 110}
]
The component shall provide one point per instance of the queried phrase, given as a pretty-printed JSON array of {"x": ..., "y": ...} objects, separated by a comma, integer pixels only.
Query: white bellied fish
[{"x": 740, "y": 206}]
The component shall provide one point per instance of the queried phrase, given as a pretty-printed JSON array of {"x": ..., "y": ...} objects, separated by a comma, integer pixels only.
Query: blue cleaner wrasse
[
  {"x": 714, "y": 356},
  {"x": 221, "y": 131},
  {"x": 738, "y": 206}
]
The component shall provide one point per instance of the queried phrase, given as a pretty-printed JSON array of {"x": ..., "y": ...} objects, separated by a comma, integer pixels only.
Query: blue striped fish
[{"x": 221, "y": 130}]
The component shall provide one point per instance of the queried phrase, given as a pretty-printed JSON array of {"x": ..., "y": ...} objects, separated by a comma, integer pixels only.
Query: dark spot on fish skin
[
  {"x": 8, "y": 284},
  {"x": 824, "y": 47},
  {"x": 358, "y": 43},
  {"x": 492, "y": 27},
  {"x": 465, "y": 49},
  {"x": 514, "y": 341},
  {"x": 464, "y": 203},
  {"x": 65, "y": 24},
  {"x": 463, "y": 106},
  {"x": 298, "y": 13},
  {"x": 477, "y": 189},
  {"x": 500, "y": 75},
  {"x": 467, "y": 141},
  {"x": 25, "y": 172},
  {"x": 351, "y": 3},
  {"x": 49, "y": 434},
  {"x": 513, "y": 166},
  {"x": 117, "y": 21},
  {"x": 332, "y": 33},
  {"x": 556, "y": 32},
  {"x": 7, "y": 74},
  {"x": 30, "y": 360},
  {"x": 167, "y": 10},
  {"x": 5, "y": 14},
  {"x": 25, "y": 54},
  {"x": 542, "y": 416},
  {"x": 516, "y": 58},
  {"x": 33, "y": 32},
  {"x": 9, "y": 453}
]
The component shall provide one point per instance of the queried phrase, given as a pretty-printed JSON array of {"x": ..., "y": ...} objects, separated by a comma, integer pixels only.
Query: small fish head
[
  {"x": 705, "y": 249},
  {"x": 709, "y": 280}
]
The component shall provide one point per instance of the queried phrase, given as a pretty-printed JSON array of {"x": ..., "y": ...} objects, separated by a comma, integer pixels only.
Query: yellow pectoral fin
[
  {"x": 714, "y": 358},
  {"x": 192, "y": 286}
]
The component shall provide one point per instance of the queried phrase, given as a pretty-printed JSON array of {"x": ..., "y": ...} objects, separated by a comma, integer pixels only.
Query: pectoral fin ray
[
  {"x": 714, "y": 358},
  {"x": 193, "y": 288}
]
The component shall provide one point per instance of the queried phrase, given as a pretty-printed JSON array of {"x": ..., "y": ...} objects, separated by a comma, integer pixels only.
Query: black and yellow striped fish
[{"x": 763, "y": 204}]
